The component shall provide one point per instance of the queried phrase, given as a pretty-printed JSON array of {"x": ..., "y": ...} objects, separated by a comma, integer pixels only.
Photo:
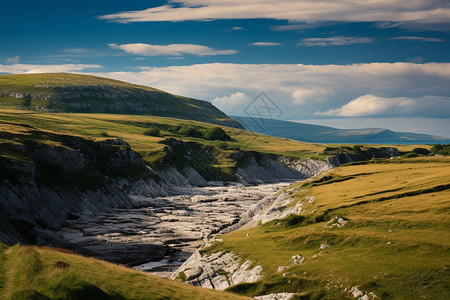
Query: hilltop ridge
[{"x": 65, "y": 92}]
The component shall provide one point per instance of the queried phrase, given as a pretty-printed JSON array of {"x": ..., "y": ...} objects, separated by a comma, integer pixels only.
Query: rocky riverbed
[{"x": 158, "y": 234}]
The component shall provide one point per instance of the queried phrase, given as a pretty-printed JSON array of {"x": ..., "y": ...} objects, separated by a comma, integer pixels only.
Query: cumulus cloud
[
  {"x": 232, "y": 102},
  {"x": 303, "y": 90},
  {"x": 28, "y": 68},
  {"x": 417, "y": 38},
  {"x": 418, "y": 11},
  {"x": 371, "y": 105},
  {"x": 13, "y": 60},
  {"x": 265, "y": 44},
  {"x": 335, "y": 41},
  {"x": 170, "y": 50}
]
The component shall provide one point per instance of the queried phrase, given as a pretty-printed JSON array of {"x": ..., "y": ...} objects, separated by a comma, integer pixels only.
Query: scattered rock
[
  {"x": 338, "y": 222},
  {"x": 296, "y": 259},
  {"x": 324, "y": 246},
  {"x": 357, "y": 293},
  {"x": 282, "y": 268}
]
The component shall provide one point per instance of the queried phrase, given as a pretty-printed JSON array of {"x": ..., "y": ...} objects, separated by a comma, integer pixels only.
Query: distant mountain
[
  {"x": 324, "y": 134},
  {"x": 63, "y": 92}
]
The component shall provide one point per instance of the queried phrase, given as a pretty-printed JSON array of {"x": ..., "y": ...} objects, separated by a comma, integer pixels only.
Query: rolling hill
[
  {"x": 324, "y": 134},
  {"x": 374, "y": 230},
  {"x": 32, "y": 273},
  {"x": 64, "y": 92}
]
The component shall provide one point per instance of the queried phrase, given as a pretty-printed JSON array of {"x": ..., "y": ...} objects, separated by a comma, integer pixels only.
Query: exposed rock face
[
  {"x": 33, "y": 202},
  {"x": 256, "y": 168},
  {"x": 217, "y": 271}
]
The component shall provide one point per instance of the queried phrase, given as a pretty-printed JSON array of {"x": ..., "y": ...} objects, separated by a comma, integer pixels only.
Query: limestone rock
[
  {"x": 276, "y": 296},
  {"x": 296, "y": 259},
  {"x": 219, "y": 270},
  {"x": 324, "y": 246}
]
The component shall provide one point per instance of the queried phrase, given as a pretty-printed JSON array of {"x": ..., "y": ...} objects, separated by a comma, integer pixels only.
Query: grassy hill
[
  {"x": 62, "y": 92},
  {"x": 324, "y": 134},
  {"x": 395, "y": 241},
  {"x": 19, "y": 126},
  {"x": 32, "y": 273}
]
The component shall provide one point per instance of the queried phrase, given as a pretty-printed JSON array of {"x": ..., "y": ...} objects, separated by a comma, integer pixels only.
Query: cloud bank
[
  {"x": 310, "y": 91},
  {"x": 418, "y": 11},
  {"x": 170, "y": 50},
  {"x": 370, "y": 105}
]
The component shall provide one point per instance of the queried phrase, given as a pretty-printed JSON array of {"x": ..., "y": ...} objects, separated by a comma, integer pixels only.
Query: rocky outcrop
[
  {"x": 219, "y": 270},
  {"x": 255, "y": 168},
  {"x": 60, "y": 182}
]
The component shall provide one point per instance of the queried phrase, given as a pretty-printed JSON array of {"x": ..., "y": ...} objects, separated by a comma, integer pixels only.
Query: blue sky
[{"x": 348, "y": 63}]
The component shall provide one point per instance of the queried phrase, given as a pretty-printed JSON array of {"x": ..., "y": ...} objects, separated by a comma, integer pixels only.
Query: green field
[
  {"x": 32, "y": 273},
  {"x": 133, "y": 129},
  {"x": 395, "y": 242}
]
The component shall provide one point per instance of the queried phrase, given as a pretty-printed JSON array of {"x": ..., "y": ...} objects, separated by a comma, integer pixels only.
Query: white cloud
[
  {"x": 265, "y": 44},
  {"x": 232, "y": 102},
  {"x": 13, "y": 60},
  {"x": 419, "y": 11},
  {"x": 237, "y": 28},
  {"x": 417, "y": 38},
  {"x": 335, "y": 41},
  {"x": 171, "y": 50},
  {"x": 302, "y": 90},
  {"x": 28, "y": 68},
  {"x": 371, "y": 105}
]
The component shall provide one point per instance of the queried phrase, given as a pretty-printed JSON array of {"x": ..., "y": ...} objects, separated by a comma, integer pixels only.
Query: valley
[{"x": 184, "y": 192}]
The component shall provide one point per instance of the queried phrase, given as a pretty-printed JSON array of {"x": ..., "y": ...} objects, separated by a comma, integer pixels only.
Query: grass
[
  {"x": 44, "y": 273},
  {"x": 133, "y": 129},
  {"x": 44, "y": 128},
  {"x": 395, "y": 243}
]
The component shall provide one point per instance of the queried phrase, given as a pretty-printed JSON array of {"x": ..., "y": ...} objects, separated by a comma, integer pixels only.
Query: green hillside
[
  {"x": 394, "y": 241},
  {"x": 62, "y": 92},
  {"x": 32, "y": 273},
  {"x": 50, "y": 128}
]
